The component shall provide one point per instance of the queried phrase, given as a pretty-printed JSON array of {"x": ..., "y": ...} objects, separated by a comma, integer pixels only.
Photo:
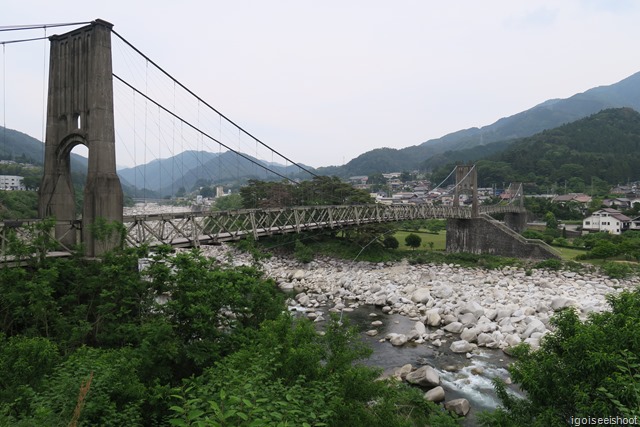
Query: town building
[
  {"x": 607, "y": 220},
  {"x": 11, "y": 182}
]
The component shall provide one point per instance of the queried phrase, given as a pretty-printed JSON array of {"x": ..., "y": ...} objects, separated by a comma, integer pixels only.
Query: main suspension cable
[
  {"x": 208, "y": 105},
  {"x": 198, "y": 130}
]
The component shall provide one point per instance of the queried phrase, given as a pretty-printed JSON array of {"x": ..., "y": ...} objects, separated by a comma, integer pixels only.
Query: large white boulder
[
  {"x": 435, "y": 395},
  {"x": 473, "y": 308},
  {"x": 433, "y": 317},
  {"x": 454, "y": 327},
  {"x": 534, "y": 326},
  {"x": 398, "y": 340},
  {"x": 425, "y": 376},
  {"x": 458, "y": 406},
  {"x": 461, "y": 346},
  {"x": 421, "y": 296}
]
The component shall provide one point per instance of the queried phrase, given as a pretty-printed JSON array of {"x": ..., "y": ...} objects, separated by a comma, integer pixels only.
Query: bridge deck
[{"x": 187, "y": 229}]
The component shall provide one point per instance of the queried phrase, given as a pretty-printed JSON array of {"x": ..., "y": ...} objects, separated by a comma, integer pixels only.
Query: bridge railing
[
  {"x": 194, "y": 228},
  {"x": 24, "y": 238}
]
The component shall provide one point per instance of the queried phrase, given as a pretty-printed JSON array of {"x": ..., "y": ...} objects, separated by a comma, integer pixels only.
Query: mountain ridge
[{"x": 546, "y": 115}]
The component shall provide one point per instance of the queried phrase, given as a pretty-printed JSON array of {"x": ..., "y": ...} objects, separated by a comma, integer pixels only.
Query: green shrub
[
  {"x": 617, "y": 270},
  {"x": 413, "y": 241},
  {"x": 291, "y": 375},
  {"x": 390, "y": 242},
  {"x": 302, "y": 252},
  {"x": 550, "y": 264}
]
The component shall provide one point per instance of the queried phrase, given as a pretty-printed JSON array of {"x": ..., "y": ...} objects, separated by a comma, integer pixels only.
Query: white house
[
  {"x": 11, "y": 182},
  {"x": 609, "y": 220}
]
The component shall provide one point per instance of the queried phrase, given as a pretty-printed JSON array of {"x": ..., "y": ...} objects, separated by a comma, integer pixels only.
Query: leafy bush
[
  {"x": 603, "y": 249},
  {"x": 291, "y": 375},
  {"x": 302, "y": 252},
  {"x": 532, "y": 234},
  {"x": 550, "y": 264},
  {"x": 116, "y": 395},
  {"x": 617, "y": 270},
  {"x": 390, "y": 242},
  {"x": 413, "y": 241}
]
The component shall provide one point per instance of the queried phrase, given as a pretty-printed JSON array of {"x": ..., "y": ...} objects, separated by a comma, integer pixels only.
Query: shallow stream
[{"x": 460, "y": 376}]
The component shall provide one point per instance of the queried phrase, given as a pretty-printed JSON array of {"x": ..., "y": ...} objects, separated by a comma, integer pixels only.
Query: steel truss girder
[{"x": 194, "y": 228}]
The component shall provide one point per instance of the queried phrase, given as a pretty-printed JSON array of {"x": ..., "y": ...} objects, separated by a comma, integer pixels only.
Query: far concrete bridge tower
[{"x": 80, "y": 111}]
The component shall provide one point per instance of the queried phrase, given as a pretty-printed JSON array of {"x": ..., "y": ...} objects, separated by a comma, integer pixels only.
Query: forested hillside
[{"x": 604, "y": 147}]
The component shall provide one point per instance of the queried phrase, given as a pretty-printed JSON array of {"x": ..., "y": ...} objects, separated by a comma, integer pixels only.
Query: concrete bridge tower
[{"x": 80, "y": 111}]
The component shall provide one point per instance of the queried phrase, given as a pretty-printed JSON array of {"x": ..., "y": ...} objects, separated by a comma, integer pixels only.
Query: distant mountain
[
  {"x": 198, "y": 168},
  {"x": 160, "y": 172},
  {"x": 547, "y": 115},
  {"x": 15, "y": 145},
  {"x": 160, "y": 177},
  {"x": 228, "y": 169}
]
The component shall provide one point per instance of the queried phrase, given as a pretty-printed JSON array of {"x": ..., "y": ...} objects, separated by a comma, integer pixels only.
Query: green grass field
[
  {"x": 439, "y": 240},
  {"x": 569, "y": 253}
]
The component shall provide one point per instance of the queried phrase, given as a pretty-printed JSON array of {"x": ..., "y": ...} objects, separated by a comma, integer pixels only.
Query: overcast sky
[{"x": 324, "y": 81}]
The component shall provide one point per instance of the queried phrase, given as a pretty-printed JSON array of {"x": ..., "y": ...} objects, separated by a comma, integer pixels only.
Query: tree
[
  {"x": 406, "y": 176},
  {"x": 413, "y": 240},
  {"x": 207, "y": 191},
  {"x": 228, "y": 203},
  {"x": 390, "y": 242},
  {"x": 551, "y": 221},
  {"x": 436, "y": 225}
]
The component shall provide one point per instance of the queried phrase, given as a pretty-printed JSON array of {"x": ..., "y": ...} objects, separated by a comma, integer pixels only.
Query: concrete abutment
[{"x": 484, "y": 236}]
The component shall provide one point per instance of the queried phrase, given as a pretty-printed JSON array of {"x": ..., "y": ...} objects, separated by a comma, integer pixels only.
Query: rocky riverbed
[{"x": 451, "y": 309}]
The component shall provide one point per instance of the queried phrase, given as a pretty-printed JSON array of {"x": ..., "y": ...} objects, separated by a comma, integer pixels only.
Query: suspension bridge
[{"x": 166, "y": 115}]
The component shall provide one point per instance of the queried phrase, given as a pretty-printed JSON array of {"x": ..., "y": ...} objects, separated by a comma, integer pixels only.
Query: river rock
[
  {"x": 504, "y": 312},
  {"x": 533, "y": 342},
  {"x": 512, "y": 340},
  {"x": 435, "y": 395},
  {"x": 474, "y": 308},
  {"x": 298, "y": 275},
  {"x": 454, "y": 327},
  {"x": 286, "y": 286},
  {"x": 467, "y": 319},
  {"x": 469, "y": 334},
  {"x": 458, "y": 406},
  {"x": 402, "y": 372},
  {"x": 425, "y": 376},
  {"x": 303, "y": 299},
  {"x": 559, "y": 303},
  {"x": 397, "y": 340},
  {"x": 421, "y": 296},
  {"x": 433, "y": 317},
  {"x": 420, "y": 328},
  {"x": 461, "y": 346},
  {"x": 442, "y": 291},
  {"x": 484, "y": 339},
  {"x": 534, "y": 326},
  {"x": 372, "y": 332},
  {"x": 449, "y": 318}
]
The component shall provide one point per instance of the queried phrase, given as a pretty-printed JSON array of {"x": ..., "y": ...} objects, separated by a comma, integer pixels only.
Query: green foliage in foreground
[
  {"x": 293, "y": 376},
  {"x": 584, "y": 369},
  {"x": 185, "y": 341}
]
